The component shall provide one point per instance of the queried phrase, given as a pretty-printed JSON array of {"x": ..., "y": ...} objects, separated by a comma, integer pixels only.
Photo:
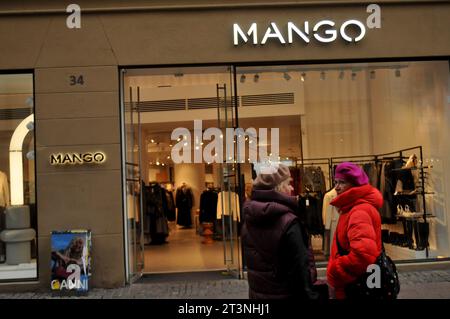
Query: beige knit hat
[{"x": 270, "y": 177}]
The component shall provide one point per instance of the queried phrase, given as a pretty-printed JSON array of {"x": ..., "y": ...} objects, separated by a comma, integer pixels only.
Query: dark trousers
[
  {"x": 222, "y": 228},
  {"x": 421, "y": 234},
  {"x": 419, "y": 230}
]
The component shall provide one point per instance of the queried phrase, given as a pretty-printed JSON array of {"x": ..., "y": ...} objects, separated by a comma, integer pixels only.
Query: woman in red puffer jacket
[{"x": 358, "y": 229}]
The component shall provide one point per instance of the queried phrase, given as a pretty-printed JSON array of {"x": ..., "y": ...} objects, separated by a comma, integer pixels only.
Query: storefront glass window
[
  {"x": 393, "y": 119},
  {"x": 18, "y": 219}
]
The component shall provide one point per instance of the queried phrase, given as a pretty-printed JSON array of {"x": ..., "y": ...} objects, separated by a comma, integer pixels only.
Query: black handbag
[{"x": 390, "y": 284}]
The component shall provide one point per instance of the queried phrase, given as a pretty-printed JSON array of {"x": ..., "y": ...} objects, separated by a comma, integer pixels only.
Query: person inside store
[
  {"x": 357, "y": 240},
  {"x": 274, "y": 241}
]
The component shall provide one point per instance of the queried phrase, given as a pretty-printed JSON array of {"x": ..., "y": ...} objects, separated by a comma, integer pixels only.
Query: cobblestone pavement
[{"x": 433, "y": 284}]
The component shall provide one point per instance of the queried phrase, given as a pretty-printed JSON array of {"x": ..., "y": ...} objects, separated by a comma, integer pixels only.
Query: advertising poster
[{"x": 70, "y": 260}]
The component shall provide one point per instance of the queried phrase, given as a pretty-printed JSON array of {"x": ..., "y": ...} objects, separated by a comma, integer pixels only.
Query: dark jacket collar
[{"x": 274, "y": 196}]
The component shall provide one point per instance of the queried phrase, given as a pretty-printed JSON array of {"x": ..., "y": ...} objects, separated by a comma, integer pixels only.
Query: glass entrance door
[
  {"x": 185, "y": 196},
  {"x": 131, "y": 136},
  {"x": 229, "y": 199}
]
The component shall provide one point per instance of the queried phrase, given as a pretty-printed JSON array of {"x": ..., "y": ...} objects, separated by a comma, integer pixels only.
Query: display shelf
[
  {"x": 411, "y": 168},
  {"x": 404, "y": 253},
  {"x": 415, "y": 216},
  {"x": 22, "y": 271},
  {"x": 414, "y": 194}
]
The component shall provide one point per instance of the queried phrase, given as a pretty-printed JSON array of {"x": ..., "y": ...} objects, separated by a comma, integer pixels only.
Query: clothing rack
[
  {"x": 354, "y": 159},
  {"x": 377, "y": 157},
  {"x": 399, "y": 154},
  {"x": 402, "y": 151},
  {"x": 421, "y": 168}
]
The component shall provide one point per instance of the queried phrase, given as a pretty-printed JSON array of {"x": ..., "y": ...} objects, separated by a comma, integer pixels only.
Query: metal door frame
[{"x": 130, "y": 276}]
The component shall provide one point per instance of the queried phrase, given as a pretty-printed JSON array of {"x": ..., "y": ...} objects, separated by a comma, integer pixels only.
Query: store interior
[{"x": 380, "y": 115}]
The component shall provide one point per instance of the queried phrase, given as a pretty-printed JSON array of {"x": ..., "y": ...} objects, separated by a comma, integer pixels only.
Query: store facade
[{"x": 386, "y": 98}]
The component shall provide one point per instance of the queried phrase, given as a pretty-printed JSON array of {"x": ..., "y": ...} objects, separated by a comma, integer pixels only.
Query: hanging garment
[
  {"x": 156, "y": 221},
  {"x": 421, "y": 234},
  {"x": 228, "y": 204},
  {"x": 313, "y": 180},
  {"x": 408, "y": 232},
  {"x": 296, "y": 179},
  {"x": 323, "y": 185},
  {"x": 407, "y": 180},
  {"x": 208, "y": 206},
  {"x": 330, "y": 217},
  {"x": 389, "y": 179},
  {"x": 223, "y": 229},
  {"x": 311, "y": 213},
  {"x": 184, "y": 201},
  {"x": 4, "y": 190},
  {"x": 371, "y": 171},
  {"x": 170, "y": 213}
]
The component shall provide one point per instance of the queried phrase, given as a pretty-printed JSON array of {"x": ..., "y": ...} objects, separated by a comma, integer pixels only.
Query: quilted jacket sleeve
[{"x": 363, "y": 251}]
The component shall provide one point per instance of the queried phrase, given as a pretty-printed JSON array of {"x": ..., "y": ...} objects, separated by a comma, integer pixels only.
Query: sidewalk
[{"x": 433, "y": 284}]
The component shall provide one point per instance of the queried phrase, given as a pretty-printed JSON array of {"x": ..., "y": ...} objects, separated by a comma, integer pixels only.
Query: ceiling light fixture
[
  {"x": 372, "y": 74},
  {"x": 242, "y": 78},
  {"x": 256, "y": 78},
  {"x": 322, "y": 75},
  {"x": 303, "y": 76},
  {"x": 286, "y": 76}
]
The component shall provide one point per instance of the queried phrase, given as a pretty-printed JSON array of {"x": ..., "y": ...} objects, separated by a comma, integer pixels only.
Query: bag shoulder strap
[{"x": 341, "y": 250}]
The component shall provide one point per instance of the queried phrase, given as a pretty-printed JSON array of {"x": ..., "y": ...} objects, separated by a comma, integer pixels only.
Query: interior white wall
[{"x": 337, "y": 121}]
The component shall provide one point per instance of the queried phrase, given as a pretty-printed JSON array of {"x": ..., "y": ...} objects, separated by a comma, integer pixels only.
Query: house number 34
[{"x": 76, "y": 80}]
